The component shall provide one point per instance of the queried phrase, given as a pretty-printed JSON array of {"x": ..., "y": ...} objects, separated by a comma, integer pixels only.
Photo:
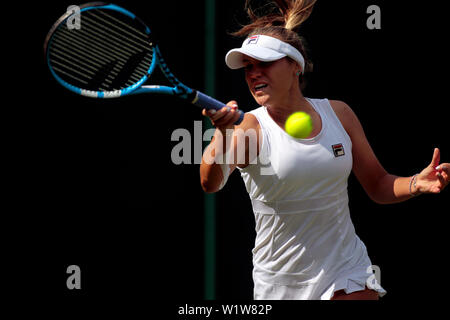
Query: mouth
[{"x": 260, "y": 86}]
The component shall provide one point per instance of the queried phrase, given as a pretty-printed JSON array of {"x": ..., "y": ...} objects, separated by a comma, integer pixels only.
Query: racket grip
[{"x": 204, "y": 101}]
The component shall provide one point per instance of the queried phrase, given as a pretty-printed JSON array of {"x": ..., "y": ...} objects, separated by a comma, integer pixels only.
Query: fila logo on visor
[
  {"x": 338, "y": 150},
  {"x": 252, "y": 40}
]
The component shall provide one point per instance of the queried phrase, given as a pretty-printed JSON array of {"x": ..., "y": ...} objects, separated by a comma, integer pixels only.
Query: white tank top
[{"x": 306, "y": 246}]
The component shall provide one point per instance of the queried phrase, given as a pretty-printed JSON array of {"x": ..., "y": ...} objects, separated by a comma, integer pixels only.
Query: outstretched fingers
[
  {"x": 436, "y": 158},
  {"x": 443, "y": 174}
]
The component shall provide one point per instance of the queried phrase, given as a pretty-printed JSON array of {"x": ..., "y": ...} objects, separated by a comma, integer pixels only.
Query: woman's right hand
[{"x": 224, "y": 118}]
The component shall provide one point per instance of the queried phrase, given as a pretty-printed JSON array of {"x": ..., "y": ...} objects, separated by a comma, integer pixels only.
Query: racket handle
[{"x": 204, "y": 101}]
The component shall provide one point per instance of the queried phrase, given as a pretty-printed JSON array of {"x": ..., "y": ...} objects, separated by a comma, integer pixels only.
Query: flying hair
[
  {"x": 289, "y": 14},
  {"x": 295, "y": 12}
]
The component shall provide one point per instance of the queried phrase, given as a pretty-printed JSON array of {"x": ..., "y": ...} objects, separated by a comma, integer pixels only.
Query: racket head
[{"x": 111, "y": 54}]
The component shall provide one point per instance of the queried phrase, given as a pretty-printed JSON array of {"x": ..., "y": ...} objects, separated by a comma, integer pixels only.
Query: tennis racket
[{"x": 110, "y": 54}]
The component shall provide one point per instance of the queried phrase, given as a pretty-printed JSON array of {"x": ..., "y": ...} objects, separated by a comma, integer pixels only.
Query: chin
[{"x": 262, "y": 100}]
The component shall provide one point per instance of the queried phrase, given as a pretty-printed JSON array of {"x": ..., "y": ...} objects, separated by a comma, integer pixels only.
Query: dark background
[{"x": 92, "y": 182}]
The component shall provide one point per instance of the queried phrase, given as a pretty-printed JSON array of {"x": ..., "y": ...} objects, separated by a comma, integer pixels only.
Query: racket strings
[
  {"x": 77, "y": 47},
  {"x": 101, "y": 49},
  {"x": 105, "y": 54},
  {"x": 126, "y": 26},
  {"x": 141, "y": 40}
]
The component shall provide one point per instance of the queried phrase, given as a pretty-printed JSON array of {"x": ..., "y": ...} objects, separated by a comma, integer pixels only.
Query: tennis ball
[{"x": 299, "y": 125}]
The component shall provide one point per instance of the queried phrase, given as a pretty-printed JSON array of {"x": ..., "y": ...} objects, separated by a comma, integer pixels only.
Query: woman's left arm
[{"x": 381, "y": 186}]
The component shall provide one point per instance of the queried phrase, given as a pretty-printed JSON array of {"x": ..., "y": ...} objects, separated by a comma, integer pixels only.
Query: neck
[{"x": 281, "y": 110}]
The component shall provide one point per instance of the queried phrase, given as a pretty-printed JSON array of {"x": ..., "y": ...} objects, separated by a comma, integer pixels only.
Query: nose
[{"x": 253, "y": 72}]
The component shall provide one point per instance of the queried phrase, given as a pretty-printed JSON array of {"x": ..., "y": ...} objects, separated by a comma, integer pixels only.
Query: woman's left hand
[{"x": 434, "y": 178}]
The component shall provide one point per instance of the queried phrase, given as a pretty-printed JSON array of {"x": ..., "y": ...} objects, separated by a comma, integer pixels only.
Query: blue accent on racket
[{"x": 111, "y": 53}]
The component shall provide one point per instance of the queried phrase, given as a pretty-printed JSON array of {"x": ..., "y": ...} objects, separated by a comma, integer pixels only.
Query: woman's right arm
[{"x": 230, "y": 146}]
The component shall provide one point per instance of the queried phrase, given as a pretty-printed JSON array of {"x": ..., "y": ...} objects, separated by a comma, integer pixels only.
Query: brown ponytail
[{"x": 295, "y": 12}]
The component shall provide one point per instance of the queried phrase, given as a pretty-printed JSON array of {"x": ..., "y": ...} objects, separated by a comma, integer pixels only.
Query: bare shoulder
[
  {"x": 249, "y": 122},
  {"x": 341, "y": 108},
  {"x": 346, "y": 115}
]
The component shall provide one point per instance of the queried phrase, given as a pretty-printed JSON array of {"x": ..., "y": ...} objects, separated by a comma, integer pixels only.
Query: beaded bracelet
[{"x": 413, "y": 179}]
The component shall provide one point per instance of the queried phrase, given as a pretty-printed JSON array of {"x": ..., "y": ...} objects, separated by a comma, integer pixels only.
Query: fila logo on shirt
[
  {"x": 252, "y": 40},
  {"x": 338, "y": 150}
]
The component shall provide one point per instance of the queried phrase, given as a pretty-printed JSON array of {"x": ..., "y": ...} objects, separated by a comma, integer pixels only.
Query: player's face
[{"x": 271, "y": 83}]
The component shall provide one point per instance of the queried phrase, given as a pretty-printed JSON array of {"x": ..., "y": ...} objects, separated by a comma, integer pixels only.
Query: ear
[{"x": 298, "y": 69}]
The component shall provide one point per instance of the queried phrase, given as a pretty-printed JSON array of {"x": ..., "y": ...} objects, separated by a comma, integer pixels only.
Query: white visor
[{"x": 263, "y": 48}]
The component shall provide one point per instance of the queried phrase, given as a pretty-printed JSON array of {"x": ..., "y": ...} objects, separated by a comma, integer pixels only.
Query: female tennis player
[{"x": 306, "y": 246}]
